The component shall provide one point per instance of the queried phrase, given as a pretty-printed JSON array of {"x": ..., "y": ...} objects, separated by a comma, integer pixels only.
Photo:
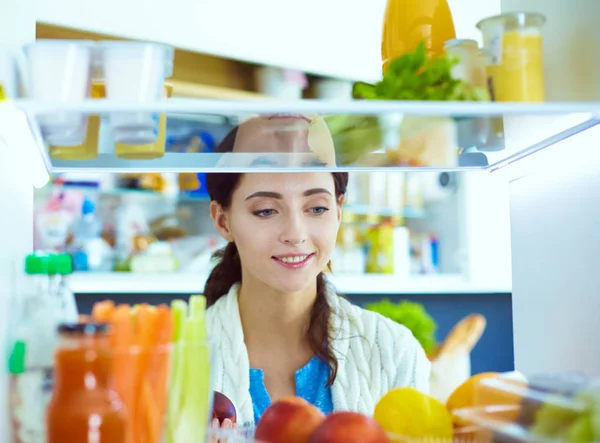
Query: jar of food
[
  {"x": 514, "y": 56},
  {"x": 84, "y": 407},
  {"x": 470, "y": 67}
]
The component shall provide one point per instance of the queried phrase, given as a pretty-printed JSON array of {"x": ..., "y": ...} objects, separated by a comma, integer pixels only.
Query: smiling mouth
[{"x": 294, "y": 261}]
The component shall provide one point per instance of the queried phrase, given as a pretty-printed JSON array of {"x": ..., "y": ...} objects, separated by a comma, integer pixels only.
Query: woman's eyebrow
[
  {"x": 314, "y": 191},
  {"x": 265, "y": 194},
  {"x": 278, "y": 196}
]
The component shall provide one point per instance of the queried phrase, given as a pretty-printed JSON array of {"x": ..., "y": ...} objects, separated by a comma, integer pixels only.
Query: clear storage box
[{"x": 546, "y": 408}]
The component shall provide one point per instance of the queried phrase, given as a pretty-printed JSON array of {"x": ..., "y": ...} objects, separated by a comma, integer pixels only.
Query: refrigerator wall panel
[{"x": 555, "y": 228}]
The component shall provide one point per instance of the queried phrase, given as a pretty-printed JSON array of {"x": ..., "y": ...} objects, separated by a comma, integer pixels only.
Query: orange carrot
[
  {"x": 102, "y": 311},
  {"x": 158, "y": 372},
  {"x": 145, "y": 339},
  {"x": 121, "y": 339}
]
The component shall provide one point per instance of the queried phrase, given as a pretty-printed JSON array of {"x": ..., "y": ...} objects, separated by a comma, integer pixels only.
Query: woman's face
[{"x": 284, "y": 225}]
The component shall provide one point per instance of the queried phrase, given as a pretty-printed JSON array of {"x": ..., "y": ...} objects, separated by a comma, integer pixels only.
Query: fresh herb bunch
[
  {"x": 414, "y": 76},
  {"x": 413, "y": 316}
]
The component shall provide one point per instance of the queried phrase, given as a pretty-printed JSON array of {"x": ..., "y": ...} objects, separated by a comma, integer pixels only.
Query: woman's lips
[{"x": 294, "y": 261}]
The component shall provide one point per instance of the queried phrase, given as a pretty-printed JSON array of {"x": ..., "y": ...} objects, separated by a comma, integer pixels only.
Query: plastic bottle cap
[
  {"x": 83, "y": 328},
  {"x": 61, "y": 264},
  {"x": 16, "y": 361},
  {"x": 87, "y": 207},
  {"x": 37, "y": 264}
]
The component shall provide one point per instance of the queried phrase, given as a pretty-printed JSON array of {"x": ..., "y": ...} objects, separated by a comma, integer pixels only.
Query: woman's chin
[{"x": 292, "y": 284}]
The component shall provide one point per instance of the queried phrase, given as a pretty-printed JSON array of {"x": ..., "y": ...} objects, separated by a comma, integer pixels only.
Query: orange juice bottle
[{"x": 408, "y": 22}]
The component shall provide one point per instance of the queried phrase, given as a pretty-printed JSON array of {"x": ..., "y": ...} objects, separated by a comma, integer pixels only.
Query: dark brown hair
[{"x": 228, "y": 270}]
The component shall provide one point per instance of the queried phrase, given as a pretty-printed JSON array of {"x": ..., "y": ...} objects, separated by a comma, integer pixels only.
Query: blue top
[{"x": 311, "y": 385}]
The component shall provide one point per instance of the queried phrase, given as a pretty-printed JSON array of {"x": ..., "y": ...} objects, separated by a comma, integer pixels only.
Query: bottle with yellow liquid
[
  {"x": 513, "y": 49},
  {"x": 408, "y": 22}
]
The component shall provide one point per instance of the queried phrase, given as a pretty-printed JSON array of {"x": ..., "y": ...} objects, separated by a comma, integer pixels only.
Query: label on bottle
[{"x": 492, "y": 42}]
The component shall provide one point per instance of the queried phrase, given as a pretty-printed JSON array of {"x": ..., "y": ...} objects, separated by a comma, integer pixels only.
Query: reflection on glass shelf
[{"x": 311, "y": 135}]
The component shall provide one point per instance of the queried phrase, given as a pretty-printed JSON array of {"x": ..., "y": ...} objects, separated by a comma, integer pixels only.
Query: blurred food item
[
  {"x": 354, "y": 137},
  {"x": 426, "y": 141},
  {"x": 414, "y": 76},
  {"x": 464, "y": 395},
  {"x": 514, "y": 56},
  {"x": 411, "y": 315},
  {"x": 410, "y": 23},
  {"x": 167, "y": 227},
  {"x": 451, "y": 363},
  {"x": 410, "y": 413},
  {"x": 80, "y": 408}
]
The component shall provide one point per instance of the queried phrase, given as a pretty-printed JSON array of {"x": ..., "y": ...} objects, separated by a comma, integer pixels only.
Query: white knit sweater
[{"x": 374, "y": 355}]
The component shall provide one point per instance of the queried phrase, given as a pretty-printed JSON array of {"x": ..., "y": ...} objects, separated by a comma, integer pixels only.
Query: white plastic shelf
[{"x": 180, "y": 283}]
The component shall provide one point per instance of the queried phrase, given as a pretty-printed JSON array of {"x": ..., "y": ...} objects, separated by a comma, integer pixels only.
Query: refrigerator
[{"x": 551, "y": 165}]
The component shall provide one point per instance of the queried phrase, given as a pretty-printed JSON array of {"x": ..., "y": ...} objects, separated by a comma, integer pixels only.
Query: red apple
[
  {"x": 294, "y": 399},
  {"x": 288, "y": 421},
  {"x": 223, "y": 408},
  {"x": 348, "y": 427}
]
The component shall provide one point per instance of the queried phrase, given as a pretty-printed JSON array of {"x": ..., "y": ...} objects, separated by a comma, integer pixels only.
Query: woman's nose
[{"x": 294, "y": 232}]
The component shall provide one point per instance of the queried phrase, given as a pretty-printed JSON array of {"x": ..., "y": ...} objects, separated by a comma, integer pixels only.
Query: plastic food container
[
  {"x": 89, "y": 148},
  {"x": 514, "y": 56},
  {"x": 469, "y": 434},
  {"x": 549, "y": 408},
  {"x": 60, "y": 71},
  {"x": 135, "y": 72},
  {"x": 471, "y": 132},
  {"x": 148, "y": 151}
]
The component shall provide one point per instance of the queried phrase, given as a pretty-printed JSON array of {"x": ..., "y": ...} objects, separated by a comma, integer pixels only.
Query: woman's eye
[
  {"x": 319, "y": 210},
  {"x": 264, "y": 212}
]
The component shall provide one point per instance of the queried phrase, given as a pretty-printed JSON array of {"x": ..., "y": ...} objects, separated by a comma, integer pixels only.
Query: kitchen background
[{"x": 149, "y": 238}]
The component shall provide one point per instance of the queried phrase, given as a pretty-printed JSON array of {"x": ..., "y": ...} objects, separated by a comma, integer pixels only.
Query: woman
[{"x": 280, "y": 328}]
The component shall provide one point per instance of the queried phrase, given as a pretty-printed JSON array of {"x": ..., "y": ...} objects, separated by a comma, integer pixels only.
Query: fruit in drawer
[
  {"x": 567, "y": 408},
  {"x": 223, "y": 408},
  {"x": 289, "y": 420},
  {"x": 348, "y": 427},
  {"x": 408, "y": 412}
]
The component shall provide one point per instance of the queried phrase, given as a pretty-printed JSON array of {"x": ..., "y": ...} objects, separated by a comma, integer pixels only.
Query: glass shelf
[{"x": 315, "y": 135}]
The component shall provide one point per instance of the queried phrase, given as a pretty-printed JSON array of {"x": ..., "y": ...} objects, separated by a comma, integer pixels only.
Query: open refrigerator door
[{"x": 555, "y": 200}]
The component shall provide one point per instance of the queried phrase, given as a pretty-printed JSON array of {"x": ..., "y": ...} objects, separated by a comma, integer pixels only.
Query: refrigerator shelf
[
  {"x": 317, "y": 135},
  {"x": 193, "y": 282}
]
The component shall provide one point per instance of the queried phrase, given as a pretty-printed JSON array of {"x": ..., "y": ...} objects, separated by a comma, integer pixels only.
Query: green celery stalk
[
  {"x": 193, "y": 419},
  {"x": 179, "y": 309},
  {"x": 197, "y": 306}
]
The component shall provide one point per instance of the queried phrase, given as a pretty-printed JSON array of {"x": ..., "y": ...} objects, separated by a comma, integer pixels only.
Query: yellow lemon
[{"x": 407, "y": 412}]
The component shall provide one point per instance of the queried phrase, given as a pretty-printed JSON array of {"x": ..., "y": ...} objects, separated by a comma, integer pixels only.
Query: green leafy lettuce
[
  {"x": 413, "y": 316},
  {"x": 414, "y": 76}
]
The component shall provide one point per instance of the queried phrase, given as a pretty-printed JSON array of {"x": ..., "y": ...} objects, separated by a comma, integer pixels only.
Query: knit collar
[{"x": 338, "y": 321}]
